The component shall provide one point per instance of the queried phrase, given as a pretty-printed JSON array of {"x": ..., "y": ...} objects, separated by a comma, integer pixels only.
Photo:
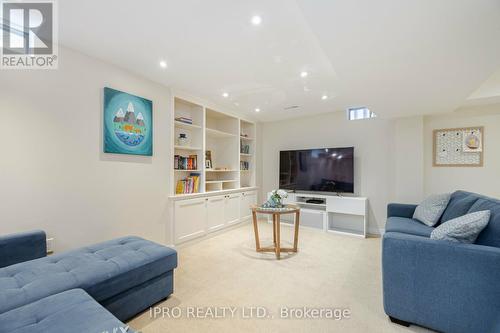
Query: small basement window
[{"x": 360, "y": 113}]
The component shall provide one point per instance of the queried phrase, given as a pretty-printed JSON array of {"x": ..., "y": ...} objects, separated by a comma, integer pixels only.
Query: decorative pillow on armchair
[
  {"x": 430, "y": 210},
  {"x": 463, "y": 229}
]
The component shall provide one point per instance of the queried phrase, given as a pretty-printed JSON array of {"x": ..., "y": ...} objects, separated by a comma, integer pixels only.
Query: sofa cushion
[
  {"x": 459, "y": 205},
  {"x": 490, "y": 236},
  {"x": 463, "y": 229},
  {"x": 103, "y": 270},
  {"x": 407, "y": 226},
  {"x": 430, "y": 210},
  {"x": 68, "y": 312}
]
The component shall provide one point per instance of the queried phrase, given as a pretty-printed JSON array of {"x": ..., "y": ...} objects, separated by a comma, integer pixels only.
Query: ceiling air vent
[{"x": 291, "y": 107}]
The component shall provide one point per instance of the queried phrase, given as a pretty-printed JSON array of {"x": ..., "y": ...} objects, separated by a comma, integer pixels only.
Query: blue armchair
[
  {"x": 445, "y": 286},
  {"x": 22, "y": 247}
]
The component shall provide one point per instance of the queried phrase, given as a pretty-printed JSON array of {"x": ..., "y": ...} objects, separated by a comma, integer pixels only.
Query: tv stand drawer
[{"x": 346, "y": 205}]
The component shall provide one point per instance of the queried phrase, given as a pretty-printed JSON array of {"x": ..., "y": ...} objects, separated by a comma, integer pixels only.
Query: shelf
[
  {"x": 243, "y": 154},
  {"x": 211, "y": 193},
  {"x": 220, "y": 181},
  {"x": 187, "y": 148},
  {"x": 211, "y": 170},
  {"x": 309, "y": 204},
  {"x": 219, "y": 134},
  {"x": 184, "y": 170},
  {"x": 246, "y": 138},
  {"x": 180, "y": 124}
]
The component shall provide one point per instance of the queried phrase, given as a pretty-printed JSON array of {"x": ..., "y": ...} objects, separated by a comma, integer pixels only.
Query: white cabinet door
[
  {"x": 190, "y": 219},
  {"x": 248, "y": 199},
  {"x": 232, "y": 208},
  {"x": 215, "y": 213}
]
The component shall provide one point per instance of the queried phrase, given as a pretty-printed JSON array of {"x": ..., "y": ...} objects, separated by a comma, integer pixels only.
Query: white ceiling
[{"x": 396, "y": 57}]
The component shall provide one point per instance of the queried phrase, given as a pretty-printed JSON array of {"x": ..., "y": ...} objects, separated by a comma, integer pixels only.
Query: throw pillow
[
  {"x": 430, "y": 210},
  {"x": 463, "y": 229}
]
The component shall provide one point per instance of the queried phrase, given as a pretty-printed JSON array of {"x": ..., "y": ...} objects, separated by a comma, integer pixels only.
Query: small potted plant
[{"x": 276, "y": 199}]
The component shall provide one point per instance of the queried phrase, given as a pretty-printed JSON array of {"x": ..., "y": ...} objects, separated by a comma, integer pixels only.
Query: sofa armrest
[
  {"x": 400, "y": 210},
  {"x": 21, "y": 247},
  {"x": 449, "y": 287}
]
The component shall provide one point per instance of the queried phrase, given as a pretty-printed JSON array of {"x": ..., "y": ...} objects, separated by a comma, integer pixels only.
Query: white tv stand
[{"x": 338, "y": 214}]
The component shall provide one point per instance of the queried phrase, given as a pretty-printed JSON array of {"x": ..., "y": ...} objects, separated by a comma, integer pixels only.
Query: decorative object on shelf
[
  {"x": 130, "y": 131},
  {"x": 208, "y": 159},
  {"x": 275, "y": 199},
  {"x": 458, "y": 147},
  {"x": 182, "y": 140}
]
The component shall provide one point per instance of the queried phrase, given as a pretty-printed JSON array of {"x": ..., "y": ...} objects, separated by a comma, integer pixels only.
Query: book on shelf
[
  {"x": 184, "y": 120},
  {"x": 190, "y": 184},
  {"x": 186, "y": 163},
  {"x": 244, "y": 165},
  {"x": 244, "y": 149}
]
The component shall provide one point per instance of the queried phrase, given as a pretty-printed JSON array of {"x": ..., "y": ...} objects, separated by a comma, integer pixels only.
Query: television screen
[{"x": 318, "y": 170}]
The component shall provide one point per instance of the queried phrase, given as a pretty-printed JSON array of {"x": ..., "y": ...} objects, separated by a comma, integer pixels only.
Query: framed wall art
[
  {"x": 128, "y": 123},
  {"x": 458, "y": 147}
]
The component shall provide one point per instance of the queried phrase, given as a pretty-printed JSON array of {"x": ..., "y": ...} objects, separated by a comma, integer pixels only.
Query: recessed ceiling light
[
  {"x": 256, "y": 20},
  {"x": 257, "y": 110},
  {"x": 225, "y": 95},
  {"x": 304, "y": 74},
  {"x": 324, "y": 97},
  {"x": 163, "y": 64}
]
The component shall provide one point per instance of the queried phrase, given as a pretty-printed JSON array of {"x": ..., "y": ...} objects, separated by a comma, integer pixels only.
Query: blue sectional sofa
[
  {"x": 445, "y": 286},
  {"x": 72, "y": 311},
  {"x": 123, "y": 276}
]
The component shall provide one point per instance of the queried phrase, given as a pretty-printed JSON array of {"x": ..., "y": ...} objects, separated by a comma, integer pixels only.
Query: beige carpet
[{"x": 329, "y": 272}]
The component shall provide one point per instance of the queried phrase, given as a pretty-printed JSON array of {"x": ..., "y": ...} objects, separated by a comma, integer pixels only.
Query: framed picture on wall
[
  {"x": 458, "y": 147},
  {"x": 128, "y": 123}
]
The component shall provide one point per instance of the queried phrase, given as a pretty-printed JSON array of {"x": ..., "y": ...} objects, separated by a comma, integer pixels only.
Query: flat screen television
[{"x": 318, "y": 170}]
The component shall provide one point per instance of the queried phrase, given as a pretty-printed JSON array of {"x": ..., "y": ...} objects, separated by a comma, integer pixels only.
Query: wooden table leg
[
  {"x": 278, "y": 227},
  {"x": 256, "y": 230},
  {"x": 296, "y": 236},
  {"x": 274, "y": 229}
]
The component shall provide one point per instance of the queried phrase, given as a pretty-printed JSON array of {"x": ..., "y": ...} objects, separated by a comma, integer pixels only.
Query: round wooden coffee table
[{"x": 276, "y": 213}]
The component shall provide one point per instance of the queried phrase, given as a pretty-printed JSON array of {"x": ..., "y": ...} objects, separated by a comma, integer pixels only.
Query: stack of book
[
  {"x": 244, "y": 165},
  {"x": 184, "y": 120},
  {"x": 186, "y": 163},
  {"x": 245, "y": 149},
  {"x": 190, "y": 184}
]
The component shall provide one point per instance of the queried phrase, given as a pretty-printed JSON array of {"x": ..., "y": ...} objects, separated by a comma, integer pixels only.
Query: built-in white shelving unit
[
  {"x": 227, "y": 187},
  {"x": 229, "y": 140}
]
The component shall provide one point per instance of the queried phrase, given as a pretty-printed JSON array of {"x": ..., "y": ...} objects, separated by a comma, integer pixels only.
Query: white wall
[
  {"x": 485, "y": 180},
  {"x": 53, "y": 174},
  {"x": 381, "y": 146},
  {"x": 408, "y": 157}
]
